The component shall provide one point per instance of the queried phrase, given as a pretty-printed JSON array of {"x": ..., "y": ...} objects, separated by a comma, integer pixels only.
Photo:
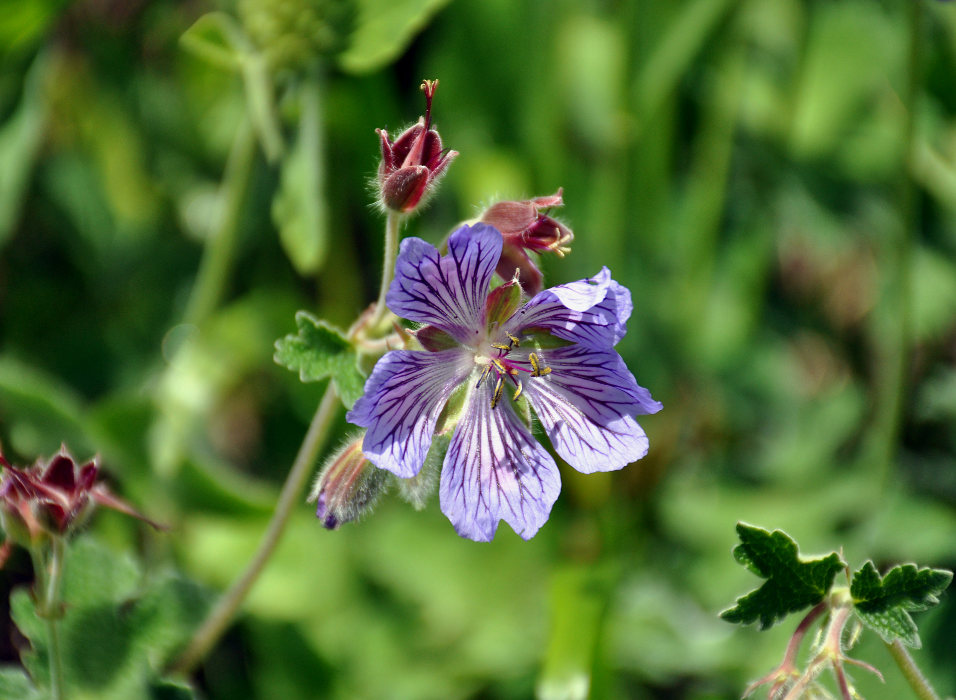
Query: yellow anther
[
  {"x": 514, "y": 340},
  {"x": 500, "y": 366},
  {"x": 483, "y": 375},
  {"x": 536, "y": 369},
  {"x": 518, "y": 392},
  {"x": 513, "y": 372},
  {"x": 497, "y": 395},
  {"x": 500, "y": 346}
]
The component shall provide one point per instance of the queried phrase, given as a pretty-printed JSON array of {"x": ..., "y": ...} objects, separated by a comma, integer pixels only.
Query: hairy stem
[
  {"x": 918, "y": 682},
  {"x": 49, "y": 576},
  {"x": 221, "y": 615},
  {"x": 392, "y": 224}
]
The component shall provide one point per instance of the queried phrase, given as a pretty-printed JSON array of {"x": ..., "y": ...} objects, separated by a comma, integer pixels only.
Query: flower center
[{"x": 495, "y": 357}]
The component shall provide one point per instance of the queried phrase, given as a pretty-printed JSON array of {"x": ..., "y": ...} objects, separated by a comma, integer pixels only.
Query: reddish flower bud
[
  {"x": 52, "y": 498},
  {"x": 412, "y": 164},
  {"x": 524, "y": 227},
  {"x": 347, "y": 486}
]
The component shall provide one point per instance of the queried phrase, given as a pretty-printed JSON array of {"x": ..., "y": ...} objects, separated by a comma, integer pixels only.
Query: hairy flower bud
[
  {"x": 413, "y": 163},
  {"x": 347, "y": 486},
  {"x": 524, "y": 227},
  {"x": 53, "y": 498}
]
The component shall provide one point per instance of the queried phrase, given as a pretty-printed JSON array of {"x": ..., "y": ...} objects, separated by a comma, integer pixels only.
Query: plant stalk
[
  {"x": 392, "y": 225},
  {"x": 918, "y": 682},
  {"x": 221, "y": 615}
]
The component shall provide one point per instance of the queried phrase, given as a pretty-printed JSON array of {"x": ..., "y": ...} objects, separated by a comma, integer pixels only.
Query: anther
[
  {"x": 500, "y": 346},
  {"x": 483, "y": 375},
  {"x": 500, "y": 366},
  {"x": 518, "y": 392},
  {"x": 514, "y": 340},
  {"x": 536, "y": 369},
  {"x": 497, "y": 395}
]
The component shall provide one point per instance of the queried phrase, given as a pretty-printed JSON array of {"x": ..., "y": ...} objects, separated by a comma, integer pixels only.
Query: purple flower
[{"x": 485, "y": 362}]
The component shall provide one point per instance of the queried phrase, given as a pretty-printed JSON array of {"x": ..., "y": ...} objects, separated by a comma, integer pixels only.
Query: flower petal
[
  {"x": 495, "y": 470},
  {"x": 446, "y": 291},
  {"x": 586, "y": 404},
  {"x": 403, "y": 399},
  {"x": 592, "y": 312}
]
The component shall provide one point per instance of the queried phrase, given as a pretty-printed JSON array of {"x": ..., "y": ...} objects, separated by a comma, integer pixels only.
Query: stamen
[
  {"x": 497, "y": 395},
  {"x": 500, "y": 366},
  {"x": 483, "y": 375},
  {"x": 518, "y": 392},
  {"x": 500, "y": 346},
  {"x": 536, "y": 369},
  {"x": 514, "y": 340}
]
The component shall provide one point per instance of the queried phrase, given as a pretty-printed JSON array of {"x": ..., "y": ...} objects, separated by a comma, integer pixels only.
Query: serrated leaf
[
  {"x": 320, "y": 350},
  {"x": 792, "y": 583},
  {"x": 299, "y": 210},
  {"x": 884, "y": 603},
  {"x": 383, "y": 29}
]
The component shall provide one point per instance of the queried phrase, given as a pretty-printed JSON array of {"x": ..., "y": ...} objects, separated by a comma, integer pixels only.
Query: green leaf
[
  {"x": 792, "y": 584},
  {"x": 299, "y": 207},
  {"x": 20, "y": 140},
  {"x": 217, "y": 38},
  {"x": 320, "y": 350},
  {"x": 16, "y": 685},
  {"x": 884, "y": 604},
  {"x": 383, "y": 29}
]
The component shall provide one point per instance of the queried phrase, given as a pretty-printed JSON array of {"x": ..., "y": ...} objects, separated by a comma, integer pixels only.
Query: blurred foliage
[{"x": 745, "y": 168}]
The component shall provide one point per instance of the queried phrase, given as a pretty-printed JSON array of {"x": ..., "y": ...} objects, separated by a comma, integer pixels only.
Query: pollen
[
  {"x": 537, "y": 367},
  {"x": 497, "y": 395}
]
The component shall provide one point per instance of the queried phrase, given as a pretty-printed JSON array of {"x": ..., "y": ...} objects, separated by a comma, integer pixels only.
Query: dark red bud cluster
[{"x": 525, "y": 227}]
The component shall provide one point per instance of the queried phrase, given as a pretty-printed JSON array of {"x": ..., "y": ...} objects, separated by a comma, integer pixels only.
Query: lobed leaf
[
  {"x": 792, "y": 584},
  {"x": 884, "y": 603},
  {"x": 320, "y": 350}
]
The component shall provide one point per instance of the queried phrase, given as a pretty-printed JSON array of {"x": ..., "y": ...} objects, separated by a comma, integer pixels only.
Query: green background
[{"x": 774, "y": 181}]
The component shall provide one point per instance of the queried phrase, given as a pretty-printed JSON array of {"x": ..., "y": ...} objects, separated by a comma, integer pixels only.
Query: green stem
[
  {"x": 221, "y": 245},
  {"x": 221, "y": 615},
  {"x": 49, "y": 576},
  {"x": 918, "y": 682},
  {"x": 392, "y": 225}
]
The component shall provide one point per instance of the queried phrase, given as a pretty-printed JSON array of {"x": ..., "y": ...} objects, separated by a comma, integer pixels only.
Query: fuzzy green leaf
[
  {"x": 320, "y": 350},
  {"x": 792, "y": 584},
  {"x": 884, "y": 603}
]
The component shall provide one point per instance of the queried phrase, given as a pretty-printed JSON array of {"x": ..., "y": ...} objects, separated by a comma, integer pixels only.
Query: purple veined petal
[
  {"x": 402, "y": 401},
  {"x": 586, "y": 404},
  {"x": 447, "y": 291},
  {"x": 559, "y": 311},
  {"x": 495, "y": 470}
]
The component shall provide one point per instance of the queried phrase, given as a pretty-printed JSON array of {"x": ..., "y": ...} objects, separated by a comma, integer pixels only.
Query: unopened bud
[
  {"x": 525, "y": 228},
  {"x": 347, "y": 486},
  {"x": 53, "y": 498},
  {"x": 413, "y": 163}
]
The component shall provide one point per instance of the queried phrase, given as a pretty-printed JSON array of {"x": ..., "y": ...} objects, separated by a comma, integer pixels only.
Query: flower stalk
[
  {"x": 917, "y": 681},
  {"x": 48, "y": 570},
  {"x": 221, "y": 615}
]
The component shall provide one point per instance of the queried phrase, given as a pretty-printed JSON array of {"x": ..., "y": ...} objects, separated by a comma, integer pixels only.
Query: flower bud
[
  {"x": 52, "y": 498},
  {"x": 412, "y": 164},
  {"x": 347, "y": 486},
  {"x": 524, "y": 227}
]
